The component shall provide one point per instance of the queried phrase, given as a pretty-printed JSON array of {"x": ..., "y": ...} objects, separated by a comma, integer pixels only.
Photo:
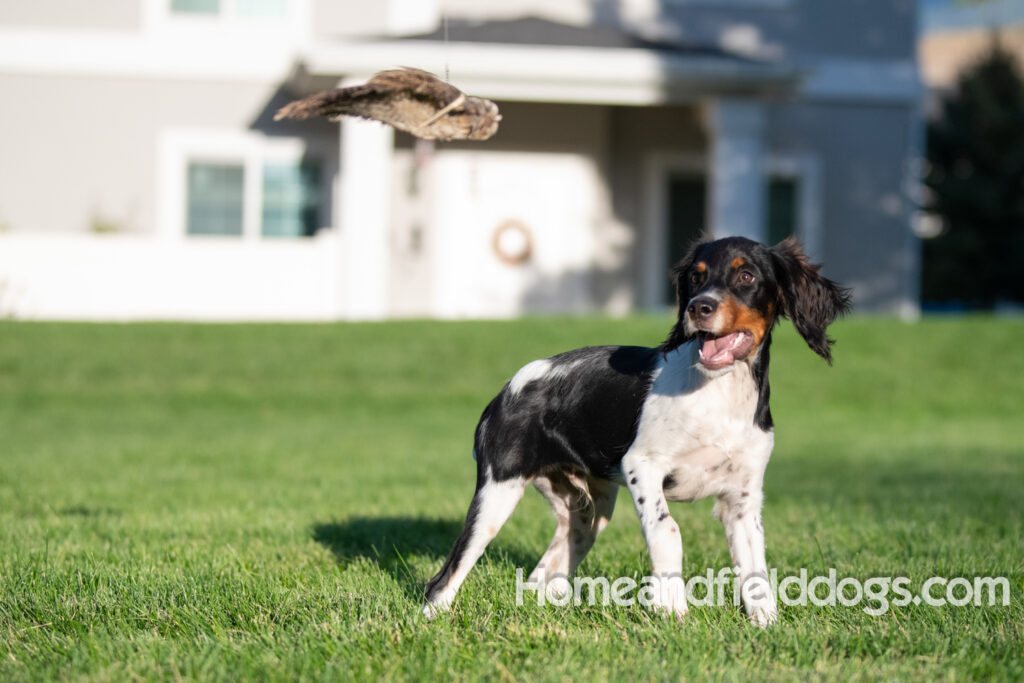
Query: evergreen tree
[{"x": 975, "y": 176}]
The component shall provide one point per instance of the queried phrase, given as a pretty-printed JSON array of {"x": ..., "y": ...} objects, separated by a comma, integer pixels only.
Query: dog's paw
[
  {"x": 437, "y": 607},
  {"x": 763, "y": 617},
  {"x": 667, "y": 594},
  {"x": 431, "y": 611},
  {"x": 759, "y": 601},
  {"x": 555, "y": 587}
]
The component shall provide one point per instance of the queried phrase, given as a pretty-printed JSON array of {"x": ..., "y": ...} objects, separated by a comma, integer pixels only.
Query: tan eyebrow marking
[
  {"x": 701, "y": 267},
  {"x": 738, "y": 262}
]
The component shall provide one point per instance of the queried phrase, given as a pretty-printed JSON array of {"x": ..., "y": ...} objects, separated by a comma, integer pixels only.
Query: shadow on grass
[
  {"x": 388, "y": 541},
  {"x": 85, "y": 511}
]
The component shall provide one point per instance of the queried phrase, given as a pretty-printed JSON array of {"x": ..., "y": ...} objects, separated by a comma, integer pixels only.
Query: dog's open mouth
[{"x": 720, "y": 352}]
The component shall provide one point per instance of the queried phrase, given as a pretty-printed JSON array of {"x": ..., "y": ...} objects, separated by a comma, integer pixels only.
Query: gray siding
[
  {"x": 81, "y": 150},
  {"x": 878, "y": 29},
  {"x": 638, "y": 133},
  {"x": 334, "y": 18},
  {"x": 117, "y": 15},
  {"x": 864, "y": 152}
]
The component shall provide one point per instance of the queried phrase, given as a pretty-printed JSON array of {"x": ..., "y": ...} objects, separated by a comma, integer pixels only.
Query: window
[
  {"x": 215, "y": 198},
  {"x": 234, "y": 34},
  {"x": 240, "y": 184},
  {"x": 686, "y": 208},
  {"x": 676, "y": 209},
  {"x": 291, "y": 199},
  {"x": 242, "y": 9},
  {"x": 211, "y": 7},
  {"x": 286, "y": 196}
]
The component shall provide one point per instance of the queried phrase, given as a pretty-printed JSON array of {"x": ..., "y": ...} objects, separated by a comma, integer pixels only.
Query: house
[{"x": 143, "y": 176}]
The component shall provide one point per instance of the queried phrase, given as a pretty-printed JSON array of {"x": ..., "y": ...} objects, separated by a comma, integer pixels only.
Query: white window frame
[
  {"x": 655, "y": 262},
  {"x": 179, "y": 148},
  {"x": 805, "y": 169},
  {"x": 295, "y": 28}
]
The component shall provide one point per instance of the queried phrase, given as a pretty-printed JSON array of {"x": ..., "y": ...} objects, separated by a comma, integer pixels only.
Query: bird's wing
[{"x": 408, "y": 99}]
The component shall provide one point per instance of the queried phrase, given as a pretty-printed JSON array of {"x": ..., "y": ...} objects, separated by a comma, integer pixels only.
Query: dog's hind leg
[
  {"x": 581, "y": 513},
  {"x": 490, "y": 508},
  {"x": 552, "y": 570},
  {"x": 585, "y": 528}
]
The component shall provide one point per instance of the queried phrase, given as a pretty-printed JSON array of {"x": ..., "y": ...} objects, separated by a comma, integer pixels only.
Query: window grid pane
[
  {"x": 216, "y": 194},
  {"x": 291, "y": 199},
  {"x": 195, "y": 6}
]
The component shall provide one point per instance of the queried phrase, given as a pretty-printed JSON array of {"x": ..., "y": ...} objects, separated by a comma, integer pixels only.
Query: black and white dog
[{"x": 682, "y": 421}]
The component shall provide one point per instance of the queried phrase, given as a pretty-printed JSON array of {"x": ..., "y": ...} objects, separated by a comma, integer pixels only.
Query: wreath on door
[{"x": 512, "y": 242}]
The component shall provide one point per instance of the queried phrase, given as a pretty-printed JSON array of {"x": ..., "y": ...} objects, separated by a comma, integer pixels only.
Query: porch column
[
  {"x": 736, "y": 171},
  {"x": 364, "y": 216}
]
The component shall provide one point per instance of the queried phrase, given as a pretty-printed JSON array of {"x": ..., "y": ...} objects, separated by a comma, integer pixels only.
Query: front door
[{"x": 687, "y": 201}]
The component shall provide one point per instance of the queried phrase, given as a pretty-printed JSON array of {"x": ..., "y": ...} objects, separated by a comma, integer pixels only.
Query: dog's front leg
[
  {"x": 645, "y": 482},
  {"x": 740, "y": 515}
]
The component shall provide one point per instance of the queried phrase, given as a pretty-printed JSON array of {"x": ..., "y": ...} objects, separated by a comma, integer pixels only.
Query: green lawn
[{"x": 266, "y": 502}]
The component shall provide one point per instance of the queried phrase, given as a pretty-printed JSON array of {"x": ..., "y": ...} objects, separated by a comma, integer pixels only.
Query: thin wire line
[{"x": 447, "y": 75}]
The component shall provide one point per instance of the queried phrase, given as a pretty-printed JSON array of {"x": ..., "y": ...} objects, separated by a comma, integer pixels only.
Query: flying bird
[{"x": 408, "y": 99}]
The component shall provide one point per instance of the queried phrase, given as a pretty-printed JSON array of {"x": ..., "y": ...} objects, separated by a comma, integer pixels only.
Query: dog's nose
[{"x": 702, "y": 308}]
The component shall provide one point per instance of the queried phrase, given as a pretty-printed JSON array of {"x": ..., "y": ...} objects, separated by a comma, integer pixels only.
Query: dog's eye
[
  {"x": 746, "y": 277},
  {"x": 694, "y": 278}
]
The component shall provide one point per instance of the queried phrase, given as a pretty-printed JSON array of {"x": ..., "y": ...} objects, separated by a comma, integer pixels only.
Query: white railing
[{"x": 119, "y": 277}]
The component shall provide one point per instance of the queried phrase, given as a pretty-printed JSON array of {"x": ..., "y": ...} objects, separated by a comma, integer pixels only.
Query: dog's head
[{"x": 731, "y": 292}]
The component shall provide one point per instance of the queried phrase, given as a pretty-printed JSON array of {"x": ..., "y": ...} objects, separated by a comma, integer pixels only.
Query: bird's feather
[{"x": 408, "y": 99}]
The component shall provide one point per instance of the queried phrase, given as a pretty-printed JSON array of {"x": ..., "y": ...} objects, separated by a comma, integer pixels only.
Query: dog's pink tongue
[{"x": 717, "y": 353}]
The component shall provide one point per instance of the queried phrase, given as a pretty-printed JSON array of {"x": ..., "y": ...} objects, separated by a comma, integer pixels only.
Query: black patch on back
[{"x": 586, "y": 417}]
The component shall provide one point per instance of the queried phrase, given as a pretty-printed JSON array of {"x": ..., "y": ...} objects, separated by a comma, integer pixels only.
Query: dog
[{"x": 682, "y": 421}]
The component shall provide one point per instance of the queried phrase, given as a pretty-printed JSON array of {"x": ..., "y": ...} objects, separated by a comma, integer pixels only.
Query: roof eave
[{"x": 624, "y": 76}]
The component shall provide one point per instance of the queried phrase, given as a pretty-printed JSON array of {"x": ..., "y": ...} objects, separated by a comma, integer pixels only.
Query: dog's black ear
[
  {"x": 811, "y": 301},
  {"x": 679, "y": 274}
]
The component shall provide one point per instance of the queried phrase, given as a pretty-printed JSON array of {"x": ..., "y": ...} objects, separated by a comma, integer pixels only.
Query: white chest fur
[{"x": 698, "y": 428}]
